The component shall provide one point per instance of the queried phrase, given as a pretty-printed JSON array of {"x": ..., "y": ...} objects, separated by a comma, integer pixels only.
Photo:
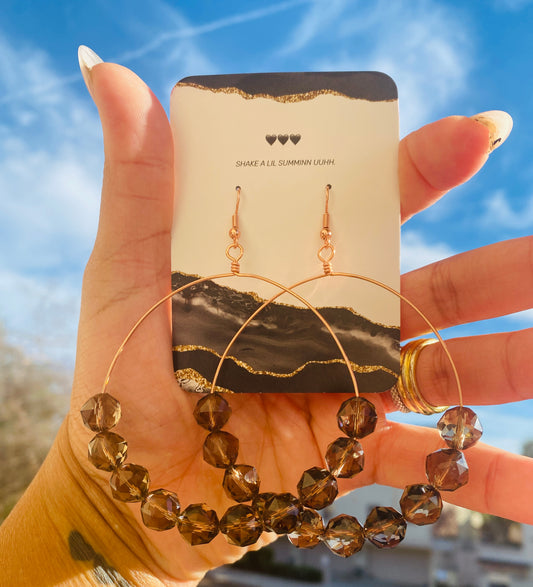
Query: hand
[{"x": 129, "y": 270}]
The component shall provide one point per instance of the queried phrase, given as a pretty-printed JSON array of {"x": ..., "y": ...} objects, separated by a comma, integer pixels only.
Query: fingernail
[
  {"x": 499, "y": 124},
  {"x": 87, "y": 59}
]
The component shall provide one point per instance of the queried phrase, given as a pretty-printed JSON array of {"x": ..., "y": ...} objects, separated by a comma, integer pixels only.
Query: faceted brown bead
[
  {"x": 357, "y": 417},
  {"x": 317, "y": 488},
  {"x": 212, "y": 411},
  {"x": 385, "y": 527},
  {"x": 198, "y": 524},
  {"x": 260, "y": 501},
  {"x": 345, "y": 457},
  {"x": 309, "y": 530},
  {"x": 100, "y": 412},
  {"x": 446, "y": 469},
  {"x": 259, "y": 504},
  {"x": 221, "y": 449},
  {"x": 107, "y": 450},
  {"x": 160, "y": 509},
  {"x": 421, "y": 504},
  {"x": 344, "y": 535},
  {"x": 242, "y": 525},
  {"x": 241, "y": 482},
  {"x": 129, "y": 482},
  {"x": 460, "y": 427},
  {"x": 282, "y": 513}
]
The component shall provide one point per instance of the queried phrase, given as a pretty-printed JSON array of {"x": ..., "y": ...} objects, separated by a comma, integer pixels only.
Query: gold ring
[{"x": 405, "y": 394}]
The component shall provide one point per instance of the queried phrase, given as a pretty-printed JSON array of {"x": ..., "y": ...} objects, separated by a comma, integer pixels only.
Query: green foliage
[
  {"x": 33, "y": 401},
  {"x": 263, "y": 561}
]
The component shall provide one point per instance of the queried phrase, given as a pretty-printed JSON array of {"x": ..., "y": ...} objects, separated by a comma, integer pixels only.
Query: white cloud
[
  {"x": 184, "y": 30},
  {"x": 423, "y": 45},
  {"x": 50, "y": 165},
  {"x": 177, "y": 43},
  {"x": 417, "y": 252},
  {"x": 321, "y": 17},
  {"x": 40, "y": 315},
  {"x": 50, "y": 175},
  {"x": 498, "y": 212}
]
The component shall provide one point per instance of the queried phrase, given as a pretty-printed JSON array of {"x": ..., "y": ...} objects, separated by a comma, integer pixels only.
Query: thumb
[{"x": 129, "y": 268}]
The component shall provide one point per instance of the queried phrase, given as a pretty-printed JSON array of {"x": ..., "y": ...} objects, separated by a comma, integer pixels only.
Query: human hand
[{"x": 129, "y": 270}]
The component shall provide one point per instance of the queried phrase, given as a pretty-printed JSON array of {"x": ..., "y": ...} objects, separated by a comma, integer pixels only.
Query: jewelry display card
[{"x": 282, "y": 138}]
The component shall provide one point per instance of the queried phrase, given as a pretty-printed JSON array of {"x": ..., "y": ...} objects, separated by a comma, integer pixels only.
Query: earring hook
[
  {"x": 234, "y": 250},
  {"x": 327, "y": 250}
]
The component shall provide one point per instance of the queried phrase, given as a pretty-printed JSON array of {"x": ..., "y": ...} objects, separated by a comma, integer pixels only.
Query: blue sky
[{"x": 446, "y": 57}]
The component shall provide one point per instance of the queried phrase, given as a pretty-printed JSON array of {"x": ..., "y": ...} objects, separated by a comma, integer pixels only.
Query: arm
[{"x": 66, "y": 530}]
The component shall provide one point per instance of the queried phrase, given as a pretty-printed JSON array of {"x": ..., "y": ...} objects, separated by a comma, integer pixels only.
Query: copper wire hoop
[
  {"x": 226, "y": 275},
  {"x": 288, "y": 290},
  {"x": 353, "y": 276}
]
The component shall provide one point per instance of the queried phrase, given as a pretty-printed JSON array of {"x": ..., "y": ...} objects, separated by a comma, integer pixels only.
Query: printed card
[{"x": 283, "y": 138}]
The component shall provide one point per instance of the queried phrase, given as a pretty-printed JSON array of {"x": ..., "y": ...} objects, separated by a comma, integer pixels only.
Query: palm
[
  {"x": 164, "y": 437},
  {"x": 281, "y": 435}
]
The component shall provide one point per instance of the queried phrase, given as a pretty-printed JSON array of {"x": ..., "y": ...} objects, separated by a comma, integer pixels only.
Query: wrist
[{"x": 67, "y": 530}]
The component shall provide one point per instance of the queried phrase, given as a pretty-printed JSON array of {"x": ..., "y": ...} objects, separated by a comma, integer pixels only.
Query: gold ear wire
[
  {"x": 234, "y": 234},
  {"x": 327, "y": 250}
]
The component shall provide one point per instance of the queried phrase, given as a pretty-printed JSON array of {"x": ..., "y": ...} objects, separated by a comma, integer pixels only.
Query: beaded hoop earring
[{"x": 284, "y": 513}]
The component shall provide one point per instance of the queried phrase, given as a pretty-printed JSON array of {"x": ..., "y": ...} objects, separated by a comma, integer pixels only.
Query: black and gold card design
[{"x": 282, "y": 137}]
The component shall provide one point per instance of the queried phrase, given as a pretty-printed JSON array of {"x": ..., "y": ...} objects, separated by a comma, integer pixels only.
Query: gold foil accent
[
  {"x": 201, "y": 383},
  {"x": 261, "y": 300},
  {"x": 287, "y": 99},
  {"x": 355, "y": 367}
]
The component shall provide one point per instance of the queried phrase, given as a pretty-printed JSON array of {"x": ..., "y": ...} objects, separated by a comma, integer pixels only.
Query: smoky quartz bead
[
  {"x": 446, "y": 469},
  {"x": 212, "y": 412},
  {"x": 282, "y": 513},
  {"x": 221, "y": 449},
  {"x": 460, "y": 427},
  {"x": 344, "y": 535},
  {"x": 160, "y": 510},
  {"x": 198, "y": 524},
  {"x": 100, "y": 412},
  {"x": 309, "y": 530},
  {"x": 241, "y": 482},
  {"x": 129, "y": 482},
  {"x": 421, "y": 504},
  {"x": 107, "y": 451},
  {"x": 345, "y": 457},
  {"x": 385, "y": 527},
  {"x": 241, "y": 525},
  {"x": 357, "y": 417},
  {"x": 259, "y": 504},
  {"x": 317, "y": 488}
]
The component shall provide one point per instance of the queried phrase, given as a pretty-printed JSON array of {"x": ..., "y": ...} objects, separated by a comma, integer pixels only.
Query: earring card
[{"x": 283, "y": 137}]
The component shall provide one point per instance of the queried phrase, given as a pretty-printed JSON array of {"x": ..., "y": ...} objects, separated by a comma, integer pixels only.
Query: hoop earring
[{"x": 282, "y": 513}]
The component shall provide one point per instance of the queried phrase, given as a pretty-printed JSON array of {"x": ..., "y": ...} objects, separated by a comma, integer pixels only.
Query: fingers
[
  {"x": 498, "y": 480},
  {"x": 476, "y": 285},
  {"x": 493, "y": 369},
  {"x": 438, "y": 157},
  {"x": 483, "y": 283}
]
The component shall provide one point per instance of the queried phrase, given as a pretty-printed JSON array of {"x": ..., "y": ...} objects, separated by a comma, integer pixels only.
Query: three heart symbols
[{"x": 294, "y": 138}]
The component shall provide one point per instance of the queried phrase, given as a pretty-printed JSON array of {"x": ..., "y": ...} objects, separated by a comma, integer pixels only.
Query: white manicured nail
[
  {"x": 499, "y": 124},
  {"x": 87, "y": 59}
]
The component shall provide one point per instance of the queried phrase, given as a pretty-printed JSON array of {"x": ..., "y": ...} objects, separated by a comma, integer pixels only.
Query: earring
[{"x": 283, "y": 513}]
